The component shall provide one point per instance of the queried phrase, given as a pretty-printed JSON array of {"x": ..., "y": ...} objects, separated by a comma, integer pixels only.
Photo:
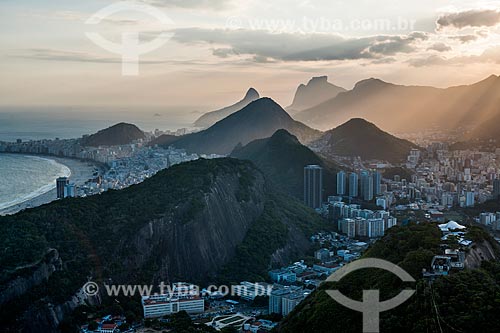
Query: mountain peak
[
  {"x": 259, "y": 119},
  {"x": 284, "y": 135},
  {"x": 118, "y": 134},
  {"x": 371, "y": 82},
  {"x": 318, "y": 80},
  {"x": 263, "y": 102},
  {"x": 492, "y": 78},
  {"x": 357, "y": 122},
  {"x": 317, "y": 91},
  {"x": 359, "y": 137},
  {"x": 210, "y": 118},
  {"x": 282, "y": 159},
  {"x": 252, "y": 94}
]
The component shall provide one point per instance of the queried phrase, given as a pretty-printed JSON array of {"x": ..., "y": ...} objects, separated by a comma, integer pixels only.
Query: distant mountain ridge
[
  {"x": 282, "y": 158},
  {"x": 258, "y": 120},
  {"x": 119, "y": 134},
  {"x": 358, "y": 137},
  {"x": 210, "y": 118},
  {"x": 408, "y": 108},
  {"x": 317, "y": 91}
]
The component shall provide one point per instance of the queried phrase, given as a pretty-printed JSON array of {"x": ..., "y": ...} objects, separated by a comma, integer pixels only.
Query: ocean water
[
  {"x": 26, "y": 177},
  {"x": 69, "y": 123}
]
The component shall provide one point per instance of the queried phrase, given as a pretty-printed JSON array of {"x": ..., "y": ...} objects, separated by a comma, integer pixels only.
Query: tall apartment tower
[
  {"x": 61, "y": 183},
  {"x": 353, "y": 184},
  {"x": 341, "y": 183},
  {"x": 366, "y": 186},
  {"x": 313, "y": 186},
  {"x": 377, "y": 182},
  {"x": 496, "y": 188}
]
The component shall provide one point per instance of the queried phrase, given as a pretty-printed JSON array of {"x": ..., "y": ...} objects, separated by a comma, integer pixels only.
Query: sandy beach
[{"x": 81, "y": 171}]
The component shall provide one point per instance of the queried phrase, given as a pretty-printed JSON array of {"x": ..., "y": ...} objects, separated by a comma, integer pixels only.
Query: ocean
[
  {"x": 69, "y": 123},
  {"x": 26, "y": 177}
]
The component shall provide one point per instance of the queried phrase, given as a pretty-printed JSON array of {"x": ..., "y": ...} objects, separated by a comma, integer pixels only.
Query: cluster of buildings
[
  {"x": 283, "y": 299},
  {"x": 453, "y": 257},
  {"x": 437, "y": 177},
  {"x": 356, "y": 222},
  {"x": 242, "y": 323},
  {"x": 490, "y": 220},
  {"x": 258, "y": 326},
  {"x": 126, "y": 164},
  {"x": 365, "y": 185},
  {"x": 65, "y": 189},
  {"x": 293, "y": 283},
  {"x": 299, "y": 273},
  {"x": 72, "y": 148},
  {"x": 142, "y": 163},
  {"x": 107, "y": 324},
  {"x": 182, "y": 297},
  {"x": 449, "y": 178}
]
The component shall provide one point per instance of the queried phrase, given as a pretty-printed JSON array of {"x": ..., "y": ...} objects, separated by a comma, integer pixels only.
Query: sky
[{"x": 212, "y": 51}]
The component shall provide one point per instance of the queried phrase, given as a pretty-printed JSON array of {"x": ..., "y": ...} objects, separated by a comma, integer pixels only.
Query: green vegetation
[
  {"x": 100, "y": 236},
  {"x": 119, "y": 134},
  {"x": 272, "y": 231},
  {"x": 79, "y": 226},
  {"x": 467, "y": 301},
  {"x": 282, "y": 158},
  {"x": 358, "y": 137},
  {"x": 90, "y": 233},
  {"x": 402, "y": 172}
]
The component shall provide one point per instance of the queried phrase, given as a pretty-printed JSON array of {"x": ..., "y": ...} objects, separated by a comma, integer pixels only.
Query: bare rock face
[
  {"x": 27, "y": 277},
  {"x": 198, "y": 248},
  {"x": 479, "y": 253}
]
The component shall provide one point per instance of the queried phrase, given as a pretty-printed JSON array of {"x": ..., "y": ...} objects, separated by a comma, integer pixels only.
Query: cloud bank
[
  {"x": 297, "y": 47},
  {"x": 470, "y": 18}
]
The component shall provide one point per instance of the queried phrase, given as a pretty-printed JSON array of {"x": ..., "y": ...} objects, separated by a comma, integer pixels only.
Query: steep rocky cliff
[
  {"x": 480, "y": 252},
  {"x": 21, "y": 279},
  {"x": 186, "y": 223}
]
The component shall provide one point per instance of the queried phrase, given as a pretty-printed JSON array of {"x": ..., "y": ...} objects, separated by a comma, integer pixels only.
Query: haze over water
[{"x": 68, "y": 123}]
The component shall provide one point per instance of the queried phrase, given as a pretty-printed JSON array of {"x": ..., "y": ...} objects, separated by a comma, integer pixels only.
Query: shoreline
[{"x": 80, "y": 171}]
